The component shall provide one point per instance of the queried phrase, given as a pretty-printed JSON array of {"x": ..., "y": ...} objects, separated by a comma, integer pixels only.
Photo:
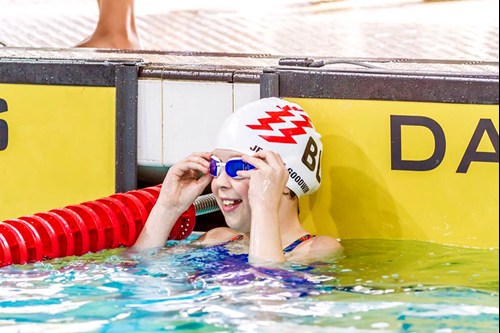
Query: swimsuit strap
[
  {"x": 299, "y": 241},
  {"x": 233, "y": 239},
  {"x": 287, "y": 249},
  {"x": 236, "y": 238}
]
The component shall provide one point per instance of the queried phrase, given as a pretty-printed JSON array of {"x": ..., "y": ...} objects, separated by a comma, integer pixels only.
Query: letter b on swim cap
[{"x": 312, "y": 158}]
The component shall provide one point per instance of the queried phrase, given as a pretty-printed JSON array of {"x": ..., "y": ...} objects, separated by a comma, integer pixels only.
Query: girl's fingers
[
  {"x": 264, "y": 155},
  {"x": 201, "y": 158},
  {"x": 204, "y": 181},
  {"x": 196, "y": 161},
  {"x": 259, "y": 162},
  {"x": 190, "y": 166},
  {"x": 203, "y": 154},
  {"x": 253, "y": 160},
  {"x": 244, "y": 174},
  {"x": 265, "y": 159}
]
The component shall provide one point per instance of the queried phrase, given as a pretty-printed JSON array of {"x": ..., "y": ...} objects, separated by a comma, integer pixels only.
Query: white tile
[
  {"x": 245, "y": 93},
  {"x": 192, "y": 113},
  {"x": 149, "y": 118}
]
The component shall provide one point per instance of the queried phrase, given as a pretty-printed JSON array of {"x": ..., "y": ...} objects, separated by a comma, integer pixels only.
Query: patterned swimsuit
[{"x": 218, "y": 265}]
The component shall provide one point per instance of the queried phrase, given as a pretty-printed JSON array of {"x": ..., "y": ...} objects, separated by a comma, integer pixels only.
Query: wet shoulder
[
  {"x": 217, "y": 236},
  {"x": 317, "y": 248},
  {"x": 325, "y": 244}
]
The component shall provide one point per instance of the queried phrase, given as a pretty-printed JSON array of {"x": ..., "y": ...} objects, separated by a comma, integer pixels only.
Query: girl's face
[{"x": 232, "y": 194}]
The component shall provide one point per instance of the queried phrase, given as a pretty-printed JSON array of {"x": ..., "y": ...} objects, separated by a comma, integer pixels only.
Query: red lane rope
[
  {"x": 125, "y": 219},
  {"x": 94, "y": 226},
  {"x": 5, "y": 255},
  {"x": 91, "y": 226},
  {"x": 47, "y": 234},
  {"x": 78, "y": 229},
  {"x": 63, "y": 232},
  {"x": 18, "y": 249},
  {"x": 30, "y": 235}
]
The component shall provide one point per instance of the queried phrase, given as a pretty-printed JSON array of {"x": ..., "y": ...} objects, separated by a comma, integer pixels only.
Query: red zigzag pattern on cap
[{"x": 276, "y": 117}]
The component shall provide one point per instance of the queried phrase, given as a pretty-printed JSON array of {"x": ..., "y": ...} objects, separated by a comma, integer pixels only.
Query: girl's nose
[{"x": 223, "y": 180}]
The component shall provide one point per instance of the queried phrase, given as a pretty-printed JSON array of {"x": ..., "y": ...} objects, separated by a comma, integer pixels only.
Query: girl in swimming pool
[{"x": 267, "y": 155}]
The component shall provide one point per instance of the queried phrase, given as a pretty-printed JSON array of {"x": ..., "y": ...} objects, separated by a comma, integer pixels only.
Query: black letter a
[{"x": 471, "y": 154}]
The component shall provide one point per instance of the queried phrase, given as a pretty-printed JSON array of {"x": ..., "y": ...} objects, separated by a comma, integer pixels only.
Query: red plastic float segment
[
  {"x": 108, "y": 221},
  {"x": 139, "y": 212},
  {"x": 5, "y": 255},
  {"x": 153, "y": 190},
  {"x": 125, "y": 218},
  {"x": 17, "y": 244},
  {"x": 95, "y": 227},
  {"x": 78, "y": 228},
  {"x": 31, "y": 237},
  {"x": 147, "y": 199},
  {"x": 63, "y": 232},
  {"x": 47, "y": 234},
  {"x": 184, "y": 225}
]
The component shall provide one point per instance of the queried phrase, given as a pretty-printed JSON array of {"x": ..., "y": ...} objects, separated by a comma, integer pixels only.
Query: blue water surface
[{"x": 376, "y": 286}]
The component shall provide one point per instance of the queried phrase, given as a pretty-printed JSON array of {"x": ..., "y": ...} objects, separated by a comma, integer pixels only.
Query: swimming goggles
[{"x": 232, "y": 166}]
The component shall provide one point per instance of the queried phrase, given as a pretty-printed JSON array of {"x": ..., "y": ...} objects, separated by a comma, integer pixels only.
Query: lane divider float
[{"x": 92, "y": 226}]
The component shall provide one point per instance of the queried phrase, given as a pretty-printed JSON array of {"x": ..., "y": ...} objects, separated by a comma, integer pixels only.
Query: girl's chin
[{"x": 236, "y": 225}]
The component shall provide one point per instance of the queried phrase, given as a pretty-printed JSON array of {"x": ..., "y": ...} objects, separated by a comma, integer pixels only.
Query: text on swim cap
[
  {"x": 311, "y": 158},
  {"x": 302, "y": 184},
  {"x": 294, "y": 127},
  {"x": 256, "y": 149}
]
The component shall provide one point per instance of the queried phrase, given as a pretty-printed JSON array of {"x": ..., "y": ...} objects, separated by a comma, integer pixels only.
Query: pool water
[{"x": 375, "y": 286}]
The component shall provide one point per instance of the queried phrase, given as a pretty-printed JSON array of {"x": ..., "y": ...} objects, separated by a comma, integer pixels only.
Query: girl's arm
[{"x": 184, "y": 182}]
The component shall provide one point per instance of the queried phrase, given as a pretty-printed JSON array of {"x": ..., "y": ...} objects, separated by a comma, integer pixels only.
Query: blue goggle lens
[
  {"x": 214, "y": 167},
  {"x": 232, "y": 166}
]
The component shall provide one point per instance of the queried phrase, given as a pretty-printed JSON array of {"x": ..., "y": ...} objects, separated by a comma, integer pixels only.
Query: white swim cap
[{"x": 280, "y": 126}]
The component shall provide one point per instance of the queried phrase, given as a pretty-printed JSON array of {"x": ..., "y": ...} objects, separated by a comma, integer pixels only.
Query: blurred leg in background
[{"x": 116, "y": 26}]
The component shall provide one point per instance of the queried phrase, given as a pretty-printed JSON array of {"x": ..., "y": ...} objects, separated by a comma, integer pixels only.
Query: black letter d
[{"x": 396, "y": 154}]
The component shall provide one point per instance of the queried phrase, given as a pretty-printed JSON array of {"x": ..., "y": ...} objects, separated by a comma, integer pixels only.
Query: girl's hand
[
  {"x": 185, "y": 181},
  {"x": 267, "y": 180}
]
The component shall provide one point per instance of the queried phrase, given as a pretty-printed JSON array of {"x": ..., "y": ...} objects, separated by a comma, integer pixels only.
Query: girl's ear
[{"x": 289, "y": 193}]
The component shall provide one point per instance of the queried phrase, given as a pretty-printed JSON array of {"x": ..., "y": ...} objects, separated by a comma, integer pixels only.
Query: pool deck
[{"x": 465, "y": 30}]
